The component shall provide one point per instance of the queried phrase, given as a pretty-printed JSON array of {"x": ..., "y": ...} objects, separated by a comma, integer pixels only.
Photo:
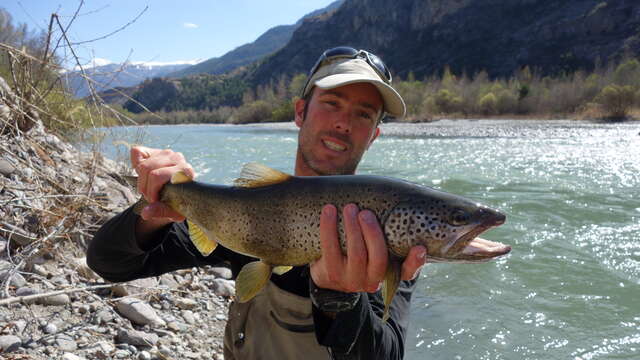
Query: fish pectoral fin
[
  {"x": 279, "y": 270},
  {"x": 390, "y": 285},
  {"x": 251, "y": 279},
  {"x": 201, "y": 240},
  {"x": 258, "y": 175},
  {"x": 180, "y": 178}
]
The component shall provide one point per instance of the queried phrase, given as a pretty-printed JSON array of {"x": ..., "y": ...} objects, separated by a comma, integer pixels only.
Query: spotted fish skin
[
  {"x": 279, "y": 223},
  {"x": 275, "y": 217}
]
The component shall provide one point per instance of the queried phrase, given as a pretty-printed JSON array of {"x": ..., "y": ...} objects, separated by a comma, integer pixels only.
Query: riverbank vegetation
[
  {"x": 32, "y": 83},
  {"x": 610, "y": 92}
]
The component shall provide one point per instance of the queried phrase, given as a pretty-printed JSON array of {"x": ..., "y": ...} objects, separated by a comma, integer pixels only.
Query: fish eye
[{"x": 459, "y": 217}]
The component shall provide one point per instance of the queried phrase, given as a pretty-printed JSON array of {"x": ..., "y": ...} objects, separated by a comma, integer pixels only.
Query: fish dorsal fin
[
  {"x": 180, "y": 178},
  {"x": 201, "y": 240},
  {"x": 258, "y": 175}
]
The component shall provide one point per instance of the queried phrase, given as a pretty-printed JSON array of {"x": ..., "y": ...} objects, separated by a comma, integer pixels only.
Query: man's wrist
[{"x": 331, "y": 301}]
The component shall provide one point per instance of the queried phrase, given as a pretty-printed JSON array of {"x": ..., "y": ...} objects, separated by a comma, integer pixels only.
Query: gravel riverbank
[{"x": 52, "y": 306}]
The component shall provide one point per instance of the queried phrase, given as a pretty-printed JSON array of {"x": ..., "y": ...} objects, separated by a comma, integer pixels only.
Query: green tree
[
  {"x": 488, "y": 104},
  {"x": 627, "y": 73},
  {"x": 616, "y": 100}
]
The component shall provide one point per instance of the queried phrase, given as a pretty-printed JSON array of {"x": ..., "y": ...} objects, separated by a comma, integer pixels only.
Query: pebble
[
  {"x": 224, "y": 288},
  {"x": 9, "y": 343},
  {"x": 186, "y": 304},
  {"x": 139, "y": 312},
  {"x": 70, "y": 356},
  {"x": 188, "y": 317},
  {"x": 6, "y": 168},
  {"x": 221, "y": 272},
  {"x": 144, "y": 355},
  {"x": 134, "y": 287},
  {"x": 50, "y": 328},
  {"x": 66, "y": 343},
  {"x": 54, "y": 300},
  {"x": 17, "y": 280},
  {"x": 135, "y": 337},
  {"x": 164, "y": 350},
  {"x": 18, "y": 325}
]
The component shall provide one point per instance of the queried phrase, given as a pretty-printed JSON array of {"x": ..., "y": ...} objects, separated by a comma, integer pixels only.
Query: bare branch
[
  {"x": 26, "y": 298},
  {"x": 113, "y": 32}
]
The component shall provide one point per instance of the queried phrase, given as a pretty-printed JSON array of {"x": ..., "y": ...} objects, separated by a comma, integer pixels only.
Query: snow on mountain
[{"x": 106, "y": 74}]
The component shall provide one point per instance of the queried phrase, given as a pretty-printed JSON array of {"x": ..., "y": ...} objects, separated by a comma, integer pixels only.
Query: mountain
[
  {"x": 119, "y": 75},
  {"x": 272, "y": 40},
  {"x": 422, "y": 37},
  {"x": 499, "y": 36}
]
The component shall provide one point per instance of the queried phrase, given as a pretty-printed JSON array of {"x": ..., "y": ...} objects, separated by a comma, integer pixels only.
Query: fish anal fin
[
  {"x": 202, "y": 242},
  {"x": 180, "y": 178},
  {"x": 279, "y": 270},
  {"x": 390, "y": 285},
  {"x": 251, "y": 279},
  {"x": 258, "y": 175}
]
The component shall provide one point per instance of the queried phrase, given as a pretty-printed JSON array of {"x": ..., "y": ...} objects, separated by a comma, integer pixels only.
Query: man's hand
[
  {"x": 364, "y": 266},
  {"x": 155, "y": 168}
]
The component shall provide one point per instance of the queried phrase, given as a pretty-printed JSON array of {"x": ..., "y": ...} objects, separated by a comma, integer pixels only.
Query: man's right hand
[{"x": 155, "y": 168}]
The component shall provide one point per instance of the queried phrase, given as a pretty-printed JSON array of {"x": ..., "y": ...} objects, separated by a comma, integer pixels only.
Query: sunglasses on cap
[{"x": 346, "y": 52}]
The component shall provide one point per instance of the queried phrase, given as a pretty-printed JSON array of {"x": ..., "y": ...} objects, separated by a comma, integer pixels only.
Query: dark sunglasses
[{"x": 346, "y": 52}]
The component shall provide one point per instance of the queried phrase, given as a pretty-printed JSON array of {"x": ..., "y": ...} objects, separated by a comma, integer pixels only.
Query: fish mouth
[
  {"x": 479, "y": 249},
  {"x": 483, "y": 249},
  {"x": 471, "y": 248}
]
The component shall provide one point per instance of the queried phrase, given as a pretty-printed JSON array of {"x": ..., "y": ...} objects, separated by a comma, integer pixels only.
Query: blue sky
[{"x": 168, "y": 31}]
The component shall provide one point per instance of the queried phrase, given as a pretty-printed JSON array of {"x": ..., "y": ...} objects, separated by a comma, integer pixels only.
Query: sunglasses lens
[
  {"x": 382, "y": 68},
  {"x": 349, "y": 52},
  {"x": 340, "y": 51}
]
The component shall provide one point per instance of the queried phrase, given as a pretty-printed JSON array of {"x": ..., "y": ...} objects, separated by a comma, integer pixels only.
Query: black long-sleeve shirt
[{"x": 115, "y": 254}]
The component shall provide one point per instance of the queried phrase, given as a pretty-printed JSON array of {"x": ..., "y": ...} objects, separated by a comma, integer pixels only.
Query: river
[{"x": 570, "y": 289}]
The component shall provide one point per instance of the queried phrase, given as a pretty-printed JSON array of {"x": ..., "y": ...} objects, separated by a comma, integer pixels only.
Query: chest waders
[{"x": 275, "y": 324}]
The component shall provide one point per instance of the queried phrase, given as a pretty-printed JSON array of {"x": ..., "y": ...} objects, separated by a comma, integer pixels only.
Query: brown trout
[{"x": 275, "y": 217}]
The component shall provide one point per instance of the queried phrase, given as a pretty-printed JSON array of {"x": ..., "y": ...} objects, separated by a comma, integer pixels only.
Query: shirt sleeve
[
  {"x": 114, "y": 253},
  {"x": 360, "y": 333}
]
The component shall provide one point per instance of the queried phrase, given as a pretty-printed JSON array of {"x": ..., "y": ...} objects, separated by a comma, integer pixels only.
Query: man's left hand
[{"x": 363, "y": 268}]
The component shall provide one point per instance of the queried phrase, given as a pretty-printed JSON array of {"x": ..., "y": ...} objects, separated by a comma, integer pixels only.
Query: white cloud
[{"x": 190, "y": 25}]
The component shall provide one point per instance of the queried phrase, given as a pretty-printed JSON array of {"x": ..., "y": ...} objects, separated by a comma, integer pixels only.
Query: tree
[{"x": 616, "y": 100}]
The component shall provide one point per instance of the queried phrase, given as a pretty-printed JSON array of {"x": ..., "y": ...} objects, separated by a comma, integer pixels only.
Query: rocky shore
[{"x": 52, "y": 306}]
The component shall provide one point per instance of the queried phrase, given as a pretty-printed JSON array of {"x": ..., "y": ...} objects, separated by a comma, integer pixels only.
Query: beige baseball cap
[{"x": 342, "y": 72}]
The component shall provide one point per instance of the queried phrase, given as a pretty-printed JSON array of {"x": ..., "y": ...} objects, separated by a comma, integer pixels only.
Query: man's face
[{"x": 339, "y": 126}]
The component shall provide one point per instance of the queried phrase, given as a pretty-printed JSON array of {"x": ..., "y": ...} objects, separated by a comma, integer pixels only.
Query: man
[{"x": 333, "y": 307}]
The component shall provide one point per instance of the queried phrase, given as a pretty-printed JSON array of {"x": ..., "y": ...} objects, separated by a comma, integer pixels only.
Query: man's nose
[{"x": 343, "y": 122}]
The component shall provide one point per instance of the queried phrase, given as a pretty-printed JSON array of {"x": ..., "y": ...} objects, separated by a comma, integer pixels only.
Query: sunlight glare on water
[{"x": 570, "y": 289}]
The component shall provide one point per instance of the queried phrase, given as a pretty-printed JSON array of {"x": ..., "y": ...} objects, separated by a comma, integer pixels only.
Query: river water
[{"x": 570, "y": 289}]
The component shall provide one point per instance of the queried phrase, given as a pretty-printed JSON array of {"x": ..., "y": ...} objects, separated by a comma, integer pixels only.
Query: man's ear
[
  {"x": 299, "y": 109},
  {"x": 375, "y": 136}
]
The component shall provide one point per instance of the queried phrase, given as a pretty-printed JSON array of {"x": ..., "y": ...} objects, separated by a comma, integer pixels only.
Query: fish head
[{"x": 447, "y": 225}]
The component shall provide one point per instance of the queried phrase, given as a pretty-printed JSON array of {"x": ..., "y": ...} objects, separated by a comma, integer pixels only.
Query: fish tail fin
[
  {"x": 390, "y": 285},
  {"x": 200, "y": 239},
  {"x": 251, "y": 279}
]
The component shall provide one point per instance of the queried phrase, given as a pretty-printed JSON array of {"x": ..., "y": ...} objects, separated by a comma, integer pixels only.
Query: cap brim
[{"x": 393, "y": 103}]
